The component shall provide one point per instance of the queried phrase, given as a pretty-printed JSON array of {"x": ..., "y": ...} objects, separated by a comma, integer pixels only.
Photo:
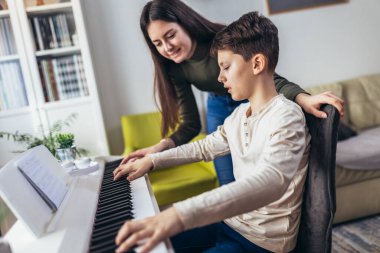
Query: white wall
[{"x": 318, "y": 45}]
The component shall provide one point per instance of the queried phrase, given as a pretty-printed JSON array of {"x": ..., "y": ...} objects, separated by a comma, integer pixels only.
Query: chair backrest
[
  {"x": 140, "y": 130},
  {"x": 319, "y": 203}
]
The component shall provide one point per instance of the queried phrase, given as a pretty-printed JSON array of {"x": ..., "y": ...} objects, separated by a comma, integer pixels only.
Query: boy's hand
[
  {"x": 312, "y": 104},
  {"x": 134, "y": 169},
  {"x": 149, "y": 231}
]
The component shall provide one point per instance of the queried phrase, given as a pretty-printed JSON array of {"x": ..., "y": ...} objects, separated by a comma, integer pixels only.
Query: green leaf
[{"x": 53, "y": 139}]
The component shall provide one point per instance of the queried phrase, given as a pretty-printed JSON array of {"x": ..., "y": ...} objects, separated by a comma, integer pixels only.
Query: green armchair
[{"x": 170, "y": 184}]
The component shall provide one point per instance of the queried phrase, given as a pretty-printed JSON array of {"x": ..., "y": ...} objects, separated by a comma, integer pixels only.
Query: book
[
  {"x": 19, "y": 179},
  {"x": 50, "y": 188}
]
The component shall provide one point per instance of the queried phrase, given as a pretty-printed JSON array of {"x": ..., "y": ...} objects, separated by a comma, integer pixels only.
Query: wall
[{"x": 318, "y": 45}]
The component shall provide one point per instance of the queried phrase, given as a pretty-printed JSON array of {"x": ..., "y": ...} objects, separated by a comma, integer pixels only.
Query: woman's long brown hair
[{"x": 199, "y": 29}]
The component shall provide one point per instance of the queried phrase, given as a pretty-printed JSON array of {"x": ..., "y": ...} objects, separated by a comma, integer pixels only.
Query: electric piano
[{"x": 95, "y": 210}]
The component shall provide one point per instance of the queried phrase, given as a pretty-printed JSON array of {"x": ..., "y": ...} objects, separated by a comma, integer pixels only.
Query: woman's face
[{"x": 171, "y": 40}]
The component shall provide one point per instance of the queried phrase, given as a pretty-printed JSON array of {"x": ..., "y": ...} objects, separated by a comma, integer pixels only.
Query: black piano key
[
  {"x": 106, "y": 237},
  {"x": 112, "y": 165},
  {"x": 116, "y": 218},
  {"x": 126, "y": 202},
  {"x": 111, "y": 229},
  {"x": 111, "y": 211},
  {"x": 114, "y": 208},
  {"x": 117, "y": 197},
  {"x": 111, "y": 186},
  {"x": 113, "y": 192},
  {"x": 105, "y": 208},
  {"x": 120, "y": 214},
  {"x": 102, "y": 245}
]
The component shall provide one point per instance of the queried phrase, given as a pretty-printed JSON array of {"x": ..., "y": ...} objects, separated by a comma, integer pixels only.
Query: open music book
[
  {"x": 34, "y": 186},
  {"x": 49, "y": 186}
]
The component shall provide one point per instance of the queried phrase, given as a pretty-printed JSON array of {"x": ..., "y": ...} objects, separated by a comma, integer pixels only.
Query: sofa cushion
[
  {"x": 361, "y": 152},
  {"x": 362, "y": 98},
  {"x": 345, "y": 132},
  {"x": 335, "y": 88},
  {"x": 346, "y": 177}
]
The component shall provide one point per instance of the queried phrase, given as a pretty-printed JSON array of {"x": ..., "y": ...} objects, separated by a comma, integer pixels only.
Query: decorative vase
[{"x": 66, "y": 154}]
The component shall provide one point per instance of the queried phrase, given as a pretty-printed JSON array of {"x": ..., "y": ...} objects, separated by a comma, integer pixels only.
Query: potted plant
[
  {"x": 53, "y": 139},
  {"x": 65, "y": 150}
]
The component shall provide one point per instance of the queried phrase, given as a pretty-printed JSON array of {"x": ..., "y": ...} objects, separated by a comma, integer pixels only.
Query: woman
[{"x": 179, "y": 40}]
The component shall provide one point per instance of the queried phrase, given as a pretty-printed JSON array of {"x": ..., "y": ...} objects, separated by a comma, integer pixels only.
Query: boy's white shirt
[{"x": 269, "y": 152}]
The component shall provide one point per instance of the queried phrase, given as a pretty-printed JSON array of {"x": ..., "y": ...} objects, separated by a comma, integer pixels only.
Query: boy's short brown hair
[{"x": 251, "y": 34}]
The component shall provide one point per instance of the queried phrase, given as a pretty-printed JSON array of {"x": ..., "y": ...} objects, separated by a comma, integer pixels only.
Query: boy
[{"x": 269, "y": 144}]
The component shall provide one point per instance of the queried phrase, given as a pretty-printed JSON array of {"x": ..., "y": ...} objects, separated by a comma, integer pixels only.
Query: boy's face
[{"x": 236, "y": 74}]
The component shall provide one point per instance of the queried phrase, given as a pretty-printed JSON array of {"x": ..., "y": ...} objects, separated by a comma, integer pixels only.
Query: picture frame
[{"x": 281, "y": 6}]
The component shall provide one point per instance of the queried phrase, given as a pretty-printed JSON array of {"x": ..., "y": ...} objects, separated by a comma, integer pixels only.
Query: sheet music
[{"x": 52, "y": 187}]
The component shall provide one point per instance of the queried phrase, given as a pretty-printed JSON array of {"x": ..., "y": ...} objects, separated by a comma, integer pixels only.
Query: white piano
[{"x": 70, "y": 228}]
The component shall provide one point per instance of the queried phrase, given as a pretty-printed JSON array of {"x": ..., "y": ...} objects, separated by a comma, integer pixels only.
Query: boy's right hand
[{"x": 134, "y": 169}]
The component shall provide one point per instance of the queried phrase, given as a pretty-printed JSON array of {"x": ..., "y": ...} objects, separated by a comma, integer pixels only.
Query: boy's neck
[{"x": 264, "y": 91}]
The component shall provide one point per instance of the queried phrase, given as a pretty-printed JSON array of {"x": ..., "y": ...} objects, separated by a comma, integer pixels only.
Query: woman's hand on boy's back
[
  {"x": 312, "y": 104},
  {"x": 133, "y": 168}
]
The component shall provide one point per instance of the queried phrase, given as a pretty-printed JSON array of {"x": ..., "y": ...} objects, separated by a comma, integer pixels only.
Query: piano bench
[{"x": 170, "y": 184}]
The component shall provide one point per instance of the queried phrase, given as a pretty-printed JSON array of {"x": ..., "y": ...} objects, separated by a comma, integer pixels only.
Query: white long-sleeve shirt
[{"x": 269, "y": 152}]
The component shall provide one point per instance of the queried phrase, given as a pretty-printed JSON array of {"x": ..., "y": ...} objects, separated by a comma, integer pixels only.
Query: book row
[
  {"x": 63, "y": 78},
  {"x": 7, "y": 40},
  {"x": 12, "y": 88},
  {"x": 53, "y": 30}
]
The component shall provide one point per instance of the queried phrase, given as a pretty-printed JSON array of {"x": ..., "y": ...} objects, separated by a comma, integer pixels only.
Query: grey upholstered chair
[{"x": 319, "y": 203}]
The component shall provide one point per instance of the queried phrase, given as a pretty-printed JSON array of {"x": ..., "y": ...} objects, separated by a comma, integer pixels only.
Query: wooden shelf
[
  {"x": 6, "y": 58},
  {"x": 15, "y": 111},
  {"x": 58, "y": 51},
  {"x": 4, "y": 13},
  {"x": 66, "y": 103},
  {"x": 48, "y": 8}
]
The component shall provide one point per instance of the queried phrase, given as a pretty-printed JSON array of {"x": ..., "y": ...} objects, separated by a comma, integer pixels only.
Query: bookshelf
[{"x": 46, "y": 73}]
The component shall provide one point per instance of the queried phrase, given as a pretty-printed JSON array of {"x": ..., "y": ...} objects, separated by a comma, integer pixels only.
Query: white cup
[{"x": 83, "y": 162}]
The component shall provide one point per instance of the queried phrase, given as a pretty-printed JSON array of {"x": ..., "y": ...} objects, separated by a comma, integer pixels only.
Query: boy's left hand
[
  {"x": 312, "y": 104},
  {"x": 149, "y": 232}
]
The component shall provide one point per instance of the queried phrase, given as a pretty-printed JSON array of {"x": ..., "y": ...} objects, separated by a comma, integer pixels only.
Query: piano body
[{"x": 72, "y": 229}]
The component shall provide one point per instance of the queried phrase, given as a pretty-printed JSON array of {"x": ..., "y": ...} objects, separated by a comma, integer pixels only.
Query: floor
[{"x": 359, "y": 236}]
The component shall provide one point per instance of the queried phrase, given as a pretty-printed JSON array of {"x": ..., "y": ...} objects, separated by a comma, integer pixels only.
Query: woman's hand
[
  {"x": 141, "y": 153},
  {"x": 134, "y": 169},
  {"x": 162, "y": 145},
  {"x": 149, "y": 231},
  {"x": 312, "y": 104}
]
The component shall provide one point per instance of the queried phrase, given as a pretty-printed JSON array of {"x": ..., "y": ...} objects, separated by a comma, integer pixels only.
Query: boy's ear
[{"x": 259, "y": 62}]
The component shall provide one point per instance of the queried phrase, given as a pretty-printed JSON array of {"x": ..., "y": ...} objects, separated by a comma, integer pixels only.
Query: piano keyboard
[
  {"x": 115, "y": 206},
  {"x": 75, "y": 231}
]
